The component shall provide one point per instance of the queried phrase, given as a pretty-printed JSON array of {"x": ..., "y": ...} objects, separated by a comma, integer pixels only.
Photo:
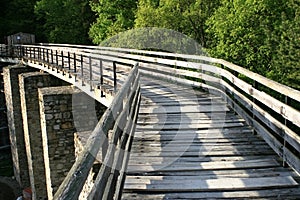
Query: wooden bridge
[{"x": 177, "y": 126}]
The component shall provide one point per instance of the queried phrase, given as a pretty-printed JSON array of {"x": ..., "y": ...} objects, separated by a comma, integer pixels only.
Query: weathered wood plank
[
  {"x": 213, "y": 184},
  {"x": 214, "y": 165},
  {"x": 160, "y": 160},
  {"x": 279, "y": 193}
]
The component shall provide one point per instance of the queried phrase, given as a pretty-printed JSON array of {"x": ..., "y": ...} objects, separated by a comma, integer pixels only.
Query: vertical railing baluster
[
  {"x": 47, "y": 52},
  {"x": 56, "y": 57},
  {"x": 43, "y": 57},
  {"x": 38, "y": 53},
  {"x": 62, "y": 59},
  {"x": 69, "y": 61},
  {"x": 42, "y": 54},
  {"x": 91, "y": 73},
  {"x": 74, "y": 62},
  {"x": 287, "y": 101},
  {"x": 33, "y": 53},
  {"x": 101, "y": 77},
  {"x": 115, "y": 76},
  {"x": 255, "y": 86},
  {"x": 22, "y": 52},
  {"x": 51, "y": 56},
  {"x": 81, "y": 62}
]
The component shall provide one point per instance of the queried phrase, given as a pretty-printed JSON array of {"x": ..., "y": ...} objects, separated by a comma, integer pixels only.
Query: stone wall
[
  {"x": 64, "y": 111},
  {"x": 14, "y": 116},
  {"x": 58, "y": 133},
  {"x": 4, "y": 135},
  {"x": 43, "y": 115},
  {"x": 29, "y": 84}
]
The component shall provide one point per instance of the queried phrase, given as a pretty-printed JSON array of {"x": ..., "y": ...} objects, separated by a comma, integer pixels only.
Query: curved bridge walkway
[
  {"x": 189, "y": 144},
  {"x": 201, "y": 130}
]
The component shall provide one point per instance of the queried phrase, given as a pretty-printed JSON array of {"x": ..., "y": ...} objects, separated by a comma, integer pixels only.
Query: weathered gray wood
[
  {"x": 280, "y": 129},
  {"x": 106, "y": 181},
  {"x": 214, "y": 184},
  {"x": 72, "y": 185},
  {"x": 157, "y": 134},
  {"x": 269, "y": 193}
]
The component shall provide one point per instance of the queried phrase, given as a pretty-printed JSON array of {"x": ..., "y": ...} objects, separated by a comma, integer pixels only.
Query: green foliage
[
  {"x": 66, "y": 21},
  {"x": 157, "y": 39},
  {"x": 185, "y": 16},
  {"x": 17, "y": 16},
  {"x": 113, "y": 17},
  {"x": 246, "y": 32},
  {"x": 262, "y": 36},
  {"x": 286, "y": 62}
]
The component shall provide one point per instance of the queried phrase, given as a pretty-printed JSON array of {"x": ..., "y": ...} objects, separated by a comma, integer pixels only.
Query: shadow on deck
[{"x": 189, "y": 145}]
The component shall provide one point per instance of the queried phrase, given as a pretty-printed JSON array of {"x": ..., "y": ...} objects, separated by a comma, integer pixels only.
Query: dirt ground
[{"x": 9, "y": 189}]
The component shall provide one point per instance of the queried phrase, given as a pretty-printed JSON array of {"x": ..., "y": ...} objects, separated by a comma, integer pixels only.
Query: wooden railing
[
  {"x": 254, "y": 97},
  {"x": 272, "y": 109},
  {"x": 114, "y": 132}
]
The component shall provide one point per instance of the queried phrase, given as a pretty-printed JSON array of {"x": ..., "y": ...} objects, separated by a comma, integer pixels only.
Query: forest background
[{"x": 260, "y": 35}]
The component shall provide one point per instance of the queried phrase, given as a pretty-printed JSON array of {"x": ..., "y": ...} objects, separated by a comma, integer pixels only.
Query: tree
[
  {"x": 113, "y": 17},
  {"x": 66, "y": 21},
  {"x": 262, "y": 36},
  {"x": 17, "y": 16},
  {"x": 185, "y": 16},
  {"x": 247, "y": 32},
  {"x": 286, "y": 62}
]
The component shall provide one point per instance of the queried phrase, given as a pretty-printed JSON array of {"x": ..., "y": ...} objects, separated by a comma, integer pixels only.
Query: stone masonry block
[
  {"x": 29, "y": 84},
  {"x": 14, "y": 116}
]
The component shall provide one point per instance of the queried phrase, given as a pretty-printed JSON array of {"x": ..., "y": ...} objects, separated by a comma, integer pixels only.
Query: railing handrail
[
  {"x": 283, "y": 89},
  {"x": 243, "y": 96},
  {"x": 150, "y": 61},
  {"x": 115, "y": 128},
  {"x": 74, "y": 181},
  {"x": 278, "y": 87}
]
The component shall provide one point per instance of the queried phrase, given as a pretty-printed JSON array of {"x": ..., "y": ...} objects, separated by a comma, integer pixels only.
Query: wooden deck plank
[
  {"x": 190, "y": 145},
  {"x": 212, "y": 184},
  {"x": 213, "y": 165},
  {"x": 279, "y": 193}
]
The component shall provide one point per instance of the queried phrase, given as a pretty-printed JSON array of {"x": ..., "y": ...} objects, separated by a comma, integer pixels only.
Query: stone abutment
[{"x": 45, "y": 115}]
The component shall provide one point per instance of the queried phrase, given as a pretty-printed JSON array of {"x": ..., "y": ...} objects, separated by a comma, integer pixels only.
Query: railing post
[
  {"x": 81, "y": 62},
  {"x": 33, "y": 53},
  {"x": 62, "y": 59},
  {"x": 39, "y": 51},
  {"x": 255, "y": 86},
  {"x": 101, "y": 77},
  {"x": 43, "y": 57},
  {"x": 25, "y": 52},
  {"x": 287, "y": 101},
  {"x": 22, "y": 51},
  {"x": 51, "y": 56},
  {"x": 115, "y": 75},
  {"x": 47, "y": 52},
  {"x": 69, "y": 61},
  {"x": 74, "y": 55},
  {"x": 91, "y": 72},
  {"x": 42, "y": 54},
  {"x": 56, "y": 58}
]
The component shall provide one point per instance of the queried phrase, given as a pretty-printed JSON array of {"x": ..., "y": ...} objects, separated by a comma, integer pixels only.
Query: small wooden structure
[{"x": 20, "y": 38}]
